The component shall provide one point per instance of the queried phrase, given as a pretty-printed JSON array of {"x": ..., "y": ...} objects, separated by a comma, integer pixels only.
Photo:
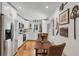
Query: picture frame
[
  {"x": 61, "y": 7},
  {"x": 64, "y": 31},
  {"x": 21, "y": 25},
  {"x": 64, "y": 17}
]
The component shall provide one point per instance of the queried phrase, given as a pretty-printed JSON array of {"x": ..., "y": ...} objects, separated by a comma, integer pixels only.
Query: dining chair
[{"x": 56, "y": 50}]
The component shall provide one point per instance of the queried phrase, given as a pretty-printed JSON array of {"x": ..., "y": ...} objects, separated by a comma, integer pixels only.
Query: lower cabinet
[
  {"x": 19, "y": 40},
  {"x": 32, "y": 36}
]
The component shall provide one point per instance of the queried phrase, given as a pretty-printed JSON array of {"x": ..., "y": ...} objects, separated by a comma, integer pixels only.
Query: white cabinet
[
  {"x": 31, "y": 36},
  {"x": 19, "y": 39}
]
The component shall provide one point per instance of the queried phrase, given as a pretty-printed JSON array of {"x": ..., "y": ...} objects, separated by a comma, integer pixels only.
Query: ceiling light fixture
[
  {"x": 46, "y": 7},
  {"x": 20, "y": 8}
]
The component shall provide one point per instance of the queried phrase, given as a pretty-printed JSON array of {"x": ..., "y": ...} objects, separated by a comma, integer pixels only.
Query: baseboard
[{"x": 64, "y": 54}]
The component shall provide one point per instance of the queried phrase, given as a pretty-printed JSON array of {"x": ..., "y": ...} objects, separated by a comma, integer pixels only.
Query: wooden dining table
[{"x": 42, "y": 47}]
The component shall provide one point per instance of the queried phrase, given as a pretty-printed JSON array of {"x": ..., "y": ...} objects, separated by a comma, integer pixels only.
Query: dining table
[{"x": 41, "y": 48}]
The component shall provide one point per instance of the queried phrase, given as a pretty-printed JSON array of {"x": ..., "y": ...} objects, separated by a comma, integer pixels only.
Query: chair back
[{"x": 56, "y": 50}]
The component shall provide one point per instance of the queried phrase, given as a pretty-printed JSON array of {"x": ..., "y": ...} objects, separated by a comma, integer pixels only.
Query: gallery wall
[{"x": 72, "y": 48}]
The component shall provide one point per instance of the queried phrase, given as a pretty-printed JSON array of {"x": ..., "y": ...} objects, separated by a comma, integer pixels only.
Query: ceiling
[{"x": 36, "y": 10}]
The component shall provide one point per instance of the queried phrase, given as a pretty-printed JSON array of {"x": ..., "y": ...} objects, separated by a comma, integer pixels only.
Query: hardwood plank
[{"x": 27, "y": 49}]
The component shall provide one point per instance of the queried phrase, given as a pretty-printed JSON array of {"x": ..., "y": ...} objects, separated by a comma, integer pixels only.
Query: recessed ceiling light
[
  {"x": 46, "y": 7},
  {"x": 6, "y": 7},
  {"x": 20, "y": 8}
]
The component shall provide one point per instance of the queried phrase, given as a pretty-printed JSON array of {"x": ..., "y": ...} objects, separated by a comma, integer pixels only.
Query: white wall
[
  {"x": 19, "y": 37},
  {"x": 33, "y": 34},
  {"x": 35, "y": 23},
  {"x": 72, "y": 47},
  {"x": 26, "y": 24},
  {"x": 44, "y": 26},
  {"x": 21, "y": 20}
]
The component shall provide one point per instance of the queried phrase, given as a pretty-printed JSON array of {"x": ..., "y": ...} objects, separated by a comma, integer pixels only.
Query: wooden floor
[{"x": 27, "y": 49}]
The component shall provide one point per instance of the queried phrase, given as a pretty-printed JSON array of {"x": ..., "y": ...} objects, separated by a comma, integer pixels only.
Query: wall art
[
  {"x": 64, "y": 31},
  {"x": 74, "y": 15},
  {"x": 64, "y": 17},
  {"x": 62, "y": 6}
]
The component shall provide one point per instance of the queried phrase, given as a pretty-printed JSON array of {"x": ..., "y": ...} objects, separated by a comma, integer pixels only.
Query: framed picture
[
  {"x": 21, "y": 25},
  {"x": 64, "y": 31},
  {"x": 64, "y": 17},
  {"x": 61, "y": 7}
]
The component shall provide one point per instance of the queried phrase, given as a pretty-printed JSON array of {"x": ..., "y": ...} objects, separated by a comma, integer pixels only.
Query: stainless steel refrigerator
[
  {"x": 5, "y": 38},
  {"x": 2, "y": 34},
  {"x": 0, "y": 28}
]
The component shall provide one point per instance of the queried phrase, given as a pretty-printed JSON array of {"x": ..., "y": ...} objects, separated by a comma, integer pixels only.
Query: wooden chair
[{"x": 56, "y": 50}]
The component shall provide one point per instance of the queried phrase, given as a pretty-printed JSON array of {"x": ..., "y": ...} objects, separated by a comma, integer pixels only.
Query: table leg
[
  {"x": 36, "y": 52},
  {"x": 43, "y": 50}
]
